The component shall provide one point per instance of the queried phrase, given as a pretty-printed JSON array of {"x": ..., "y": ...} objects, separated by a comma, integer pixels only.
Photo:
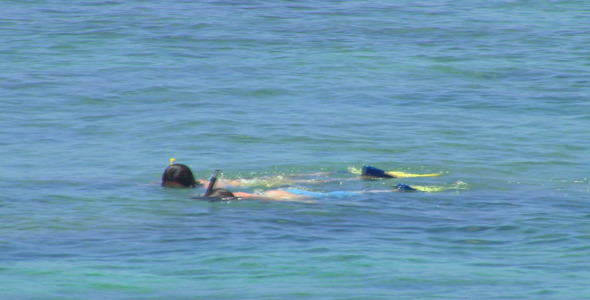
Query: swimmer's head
[
  {"x": 218, "y": 195},
  {"x": 178, "y": 175},
  {"x": 221, "y": 193}
]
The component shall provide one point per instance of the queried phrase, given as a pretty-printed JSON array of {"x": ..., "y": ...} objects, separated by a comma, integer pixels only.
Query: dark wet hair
[
  {"x": 218, "y": 195},
  {"x": 221, "y": 193},
  {"x": 179, "y": 174}
]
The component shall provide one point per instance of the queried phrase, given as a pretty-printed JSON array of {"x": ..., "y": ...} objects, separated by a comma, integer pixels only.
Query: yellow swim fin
[
  {"x": 400, "y": 174},
  {"x": 396, "y": 174},
  {"x": 430, "y": 188},
  {"x": 459, "y": 185}
]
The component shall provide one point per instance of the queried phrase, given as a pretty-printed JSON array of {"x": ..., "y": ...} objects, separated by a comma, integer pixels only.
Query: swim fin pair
[{"x": 372, "y": 172}]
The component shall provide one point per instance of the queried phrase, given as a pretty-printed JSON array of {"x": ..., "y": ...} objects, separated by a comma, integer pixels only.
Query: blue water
[{"x": 97, "y": 96}]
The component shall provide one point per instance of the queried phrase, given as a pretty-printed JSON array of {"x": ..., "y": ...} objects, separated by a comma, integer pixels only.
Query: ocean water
[{"x": 97, "y": 96}]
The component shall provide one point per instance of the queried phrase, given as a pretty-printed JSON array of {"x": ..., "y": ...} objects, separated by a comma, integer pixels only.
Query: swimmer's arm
[{"x": 243, "y": 195}]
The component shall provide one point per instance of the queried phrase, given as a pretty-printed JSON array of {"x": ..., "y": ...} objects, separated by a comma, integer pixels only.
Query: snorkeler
[{"x": 179, "y": 175}]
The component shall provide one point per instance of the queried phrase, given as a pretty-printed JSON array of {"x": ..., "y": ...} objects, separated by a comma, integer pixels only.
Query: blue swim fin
[
  {"x": 369, "y": 171},
  {"x": 402, "y": 187}
]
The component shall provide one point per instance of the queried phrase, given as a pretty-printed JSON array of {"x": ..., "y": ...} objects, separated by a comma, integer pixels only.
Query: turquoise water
[{"x": 96, "y": 96}]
